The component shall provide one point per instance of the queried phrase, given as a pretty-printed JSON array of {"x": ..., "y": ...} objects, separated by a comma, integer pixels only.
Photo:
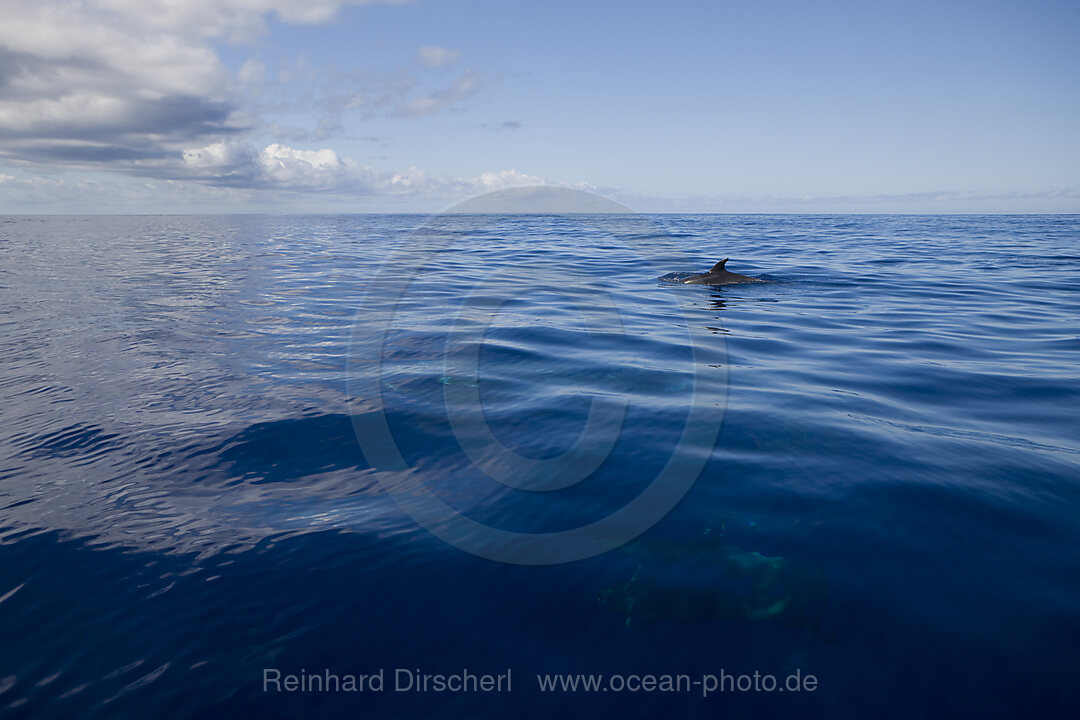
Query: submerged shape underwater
[{"x": 888, "y": 500}]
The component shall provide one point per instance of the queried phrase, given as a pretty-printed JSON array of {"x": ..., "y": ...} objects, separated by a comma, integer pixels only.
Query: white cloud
[
  {"x": 287, "y": 167},
  {"x": 461, "y": 88},
  {"x": 136, "y": 86},
  {"x": 363, "y": 96},
  {"x": 123, "y": 79},
  {"x": 252, "y": 72},
  {"x": 434, "y": 57},
  {"x": 236, "y": 20},
  {"x": 284, "y": 168},
  {"x": 83, "y": 83}
]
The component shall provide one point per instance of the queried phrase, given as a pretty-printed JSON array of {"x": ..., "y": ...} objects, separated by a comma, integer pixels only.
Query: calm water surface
[{"x": 196, "y": 483}]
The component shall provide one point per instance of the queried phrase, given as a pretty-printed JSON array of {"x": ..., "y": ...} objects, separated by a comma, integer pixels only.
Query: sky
[{"x": 151, "y": 106}]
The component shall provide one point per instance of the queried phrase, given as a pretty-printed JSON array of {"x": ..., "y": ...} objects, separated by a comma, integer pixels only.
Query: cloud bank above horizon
[{"x": 136, "y": 87}]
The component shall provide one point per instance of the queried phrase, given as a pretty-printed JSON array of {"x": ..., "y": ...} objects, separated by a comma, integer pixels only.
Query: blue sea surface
[{"x": 507, "y": 443}]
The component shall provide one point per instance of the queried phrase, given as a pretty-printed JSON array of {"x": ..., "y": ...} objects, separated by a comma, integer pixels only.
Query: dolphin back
[{"x": 719, "y": 275}]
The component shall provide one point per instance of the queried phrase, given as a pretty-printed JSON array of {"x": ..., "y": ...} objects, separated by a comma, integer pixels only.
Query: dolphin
[
  {"x": 719, "y": 276},
  {"x": 705, "y": 579}
]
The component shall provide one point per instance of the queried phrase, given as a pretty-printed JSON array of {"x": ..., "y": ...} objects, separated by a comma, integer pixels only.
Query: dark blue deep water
[{"x": 353, "y": 444}]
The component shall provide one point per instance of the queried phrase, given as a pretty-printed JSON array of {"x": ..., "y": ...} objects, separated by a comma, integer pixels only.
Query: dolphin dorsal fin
[{"x": 719, "y": 266}]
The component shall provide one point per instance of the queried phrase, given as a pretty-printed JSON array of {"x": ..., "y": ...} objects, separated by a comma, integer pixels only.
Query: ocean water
[{"x": 488, "y": 444}]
